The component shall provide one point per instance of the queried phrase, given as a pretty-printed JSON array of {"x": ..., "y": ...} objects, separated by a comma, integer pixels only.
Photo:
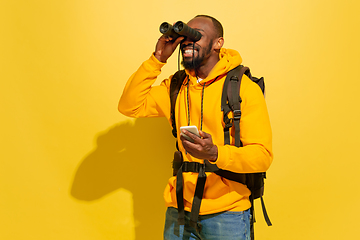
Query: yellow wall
[{"x": 72, "y": 167}]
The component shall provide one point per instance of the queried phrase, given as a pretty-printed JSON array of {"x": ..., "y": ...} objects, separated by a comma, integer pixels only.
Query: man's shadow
[{"x": 134, "y": 156}]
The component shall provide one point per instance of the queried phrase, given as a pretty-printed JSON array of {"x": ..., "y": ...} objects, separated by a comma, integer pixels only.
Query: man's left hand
[{"x": 202, "y": 147}]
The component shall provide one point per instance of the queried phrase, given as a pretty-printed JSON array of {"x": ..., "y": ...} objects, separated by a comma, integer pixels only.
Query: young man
[{"x": 224, "y": 211}]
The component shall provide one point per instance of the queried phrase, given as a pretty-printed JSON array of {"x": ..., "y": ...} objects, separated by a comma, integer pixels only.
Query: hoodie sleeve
[
  {"x": 255, "y": 133},
  {"x": 140, "y": 98}
]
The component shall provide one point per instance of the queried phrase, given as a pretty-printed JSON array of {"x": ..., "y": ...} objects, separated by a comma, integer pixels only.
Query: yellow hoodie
[{"x": 141, "y": 99}]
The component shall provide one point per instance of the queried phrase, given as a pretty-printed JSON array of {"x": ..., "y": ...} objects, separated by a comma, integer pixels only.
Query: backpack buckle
[
  {"x": 237, "y": 114},
  {"x": 234, "y": 78},
  {"x": 228, "y": 122},
  {"x": 191, "y": 167}
]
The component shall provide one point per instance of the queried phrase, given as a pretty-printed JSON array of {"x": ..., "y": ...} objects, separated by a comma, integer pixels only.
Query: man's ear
[{"x": 219, "y": 43}]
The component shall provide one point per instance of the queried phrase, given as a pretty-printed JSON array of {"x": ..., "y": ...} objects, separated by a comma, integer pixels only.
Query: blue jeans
[{"x": 218, "y": 226}]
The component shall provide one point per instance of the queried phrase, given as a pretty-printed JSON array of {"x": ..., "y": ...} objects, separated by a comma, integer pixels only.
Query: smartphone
[{"x": 192, "y": 129}]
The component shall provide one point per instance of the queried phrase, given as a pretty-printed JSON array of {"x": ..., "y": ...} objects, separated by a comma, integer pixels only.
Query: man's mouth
[{"x": 189, "y": 52}]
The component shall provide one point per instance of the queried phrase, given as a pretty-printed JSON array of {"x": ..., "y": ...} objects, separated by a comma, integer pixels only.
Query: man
[{"x": 224, "y": 212}]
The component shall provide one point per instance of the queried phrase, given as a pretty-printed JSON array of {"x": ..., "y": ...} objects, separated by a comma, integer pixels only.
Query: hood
[{"x": 229, "y": 59}]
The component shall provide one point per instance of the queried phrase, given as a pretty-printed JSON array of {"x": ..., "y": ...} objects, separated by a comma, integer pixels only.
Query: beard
[
  {"x": 196, "y": 61},
  {"x": 192, "y": 64}
]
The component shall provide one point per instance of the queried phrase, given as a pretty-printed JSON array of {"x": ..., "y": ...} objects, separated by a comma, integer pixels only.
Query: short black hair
[{"x": 218, "y": 27}]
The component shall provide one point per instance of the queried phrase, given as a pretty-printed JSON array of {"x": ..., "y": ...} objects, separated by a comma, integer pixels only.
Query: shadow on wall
[{"x": 136, "y": 157}]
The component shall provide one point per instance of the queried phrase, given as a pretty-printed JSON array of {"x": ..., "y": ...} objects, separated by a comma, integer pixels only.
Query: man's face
[{"x": 196, "y": 55}]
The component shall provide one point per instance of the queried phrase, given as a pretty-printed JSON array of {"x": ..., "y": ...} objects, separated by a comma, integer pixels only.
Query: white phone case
[{"x": 192, "y": 129}]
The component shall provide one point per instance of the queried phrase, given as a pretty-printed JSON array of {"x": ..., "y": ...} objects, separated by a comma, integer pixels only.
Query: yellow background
[{"x": 72, "y": 167}]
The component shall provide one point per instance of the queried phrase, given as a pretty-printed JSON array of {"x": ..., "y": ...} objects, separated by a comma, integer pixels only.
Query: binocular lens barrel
[
  {"x": 164, "y": 27},
  {"x": 184, "y": 30},
  {"x": 180, "y": 29},
  {"x": 179, "y": 26},
  {"x": 168, "y": 30}
]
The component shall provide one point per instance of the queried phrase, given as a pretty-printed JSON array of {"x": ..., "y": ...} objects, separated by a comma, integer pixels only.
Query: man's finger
[
  {"x": 204, "y": 134},
  {"x": 191, "y": 135},
  {"x": 178, "y": 40}
]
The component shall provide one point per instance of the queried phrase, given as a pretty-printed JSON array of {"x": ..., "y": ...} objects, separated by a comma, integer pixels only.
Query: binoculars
[{"x": 180, "y": 29}]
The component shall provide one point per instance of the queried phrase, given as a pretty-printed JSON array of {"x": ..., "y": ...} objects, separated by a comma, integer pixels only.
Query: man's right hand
[{"x": 165, "y": 47}]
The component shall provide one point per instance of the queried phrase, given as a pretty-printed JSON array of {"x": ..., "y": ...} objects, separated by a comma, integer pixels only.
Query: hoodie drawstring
[{"x": 202, "y": 100}]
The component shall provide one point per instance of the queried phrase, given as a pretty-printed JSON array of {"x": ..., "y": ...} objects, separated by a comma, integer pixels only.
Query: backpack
[{"x": 230, "y": 101}]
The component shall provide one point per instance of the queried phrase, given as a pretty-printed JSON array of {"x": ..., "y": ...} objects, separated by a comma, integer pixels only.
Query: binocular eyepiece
[{"x": 180, "y": 29}]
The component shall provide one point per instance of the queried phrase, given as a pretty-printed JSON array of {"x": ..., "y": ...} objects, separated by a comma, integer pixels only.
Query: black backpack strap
[
  {"x": 234, "y": 103},
  {"x": 199, "y": 191},
  {"x": 252, "y": 219},
  {"x": 175, "y": 85},
  {"x": 180, "y": 197},
  {"x": 266, "y": 216},
  {"x": 230, "y": 101},
  {"x": 225, "y": 107}
]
